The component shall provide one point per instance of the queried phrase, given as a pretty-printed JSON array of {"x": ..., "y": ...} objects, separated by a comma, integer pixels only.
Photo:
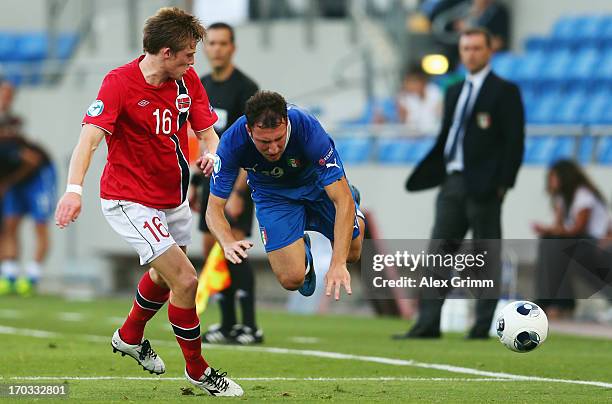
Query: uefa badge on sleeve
[{"x": 95, "y": 109}]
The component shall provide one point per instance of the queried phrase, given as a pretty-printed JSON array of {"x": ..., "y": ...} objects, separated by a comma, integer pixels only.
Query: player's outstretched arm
[
  {"x": 69, "y": 206},
  {"x": 338, "y": 274},
  {"x": 209, "y": 140},
  {"x": 235, "y": 250}
]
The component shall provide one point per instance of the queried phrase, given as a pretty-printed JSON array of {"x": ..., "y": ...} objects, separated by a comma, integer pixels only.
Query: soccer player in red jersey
[{"x": 142, "y": 110}]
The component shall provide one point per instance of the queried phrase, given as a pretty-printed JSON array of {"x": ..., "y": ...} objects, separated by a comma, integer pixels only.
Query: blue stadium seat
[
  {"x": 586, "y": 148},
  {"x": 604, "y": 151},
  {"x": 66, "y": 44},
  {"x": 558, "y": 64},
  {"x": 31, "y": 47},
  {"x": 354, "y": 150},
  {"x": 604, "y": 66},
  {"x": 598, "y": 109},
  {"x": 544, "y": 108},
  {"x": 570, "y": 107},
  {"x": 539, "y": 44},
  {"x": 568, "y": 28},
  {"x": 584, "y": 64},
  {"x": 394, "y": 150},
  {"x": 505, "y": 64},
  {"x": 531, "y": 66},
  {"x": 543, "y": 150},
  {"x": 8, "y": 42}
]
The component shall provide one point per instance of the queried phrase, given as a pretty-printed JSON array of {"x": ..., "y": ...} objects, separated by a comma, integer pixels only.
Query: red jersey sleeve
[
  {"x": 103, "y": 112},
  {"x": 202, "y": 115}
]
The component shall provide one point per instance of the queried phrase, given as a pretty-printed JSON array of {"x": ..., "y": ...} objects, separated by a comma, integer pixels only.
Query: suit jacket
[{"x": 493, "y": 142}]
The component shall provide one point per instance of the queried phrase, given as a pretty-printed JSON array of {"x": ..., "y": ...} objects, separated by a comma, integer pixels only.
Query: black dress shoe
[{"x": 416, "y": 335}]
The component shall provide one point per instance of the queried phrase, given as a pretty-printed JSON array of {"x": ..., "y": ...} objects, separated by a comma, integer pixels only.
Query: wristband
[{"x": 77, "y": 189}]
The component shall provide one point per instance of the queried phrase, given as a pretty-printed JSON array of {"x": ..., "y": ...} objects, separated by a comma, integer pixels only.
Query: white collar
[{"x": 479, "y": 77}]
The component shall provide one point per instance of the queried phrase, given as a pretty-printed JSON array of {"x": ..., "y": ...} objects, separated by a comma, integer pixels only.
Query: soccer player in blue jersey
[{"x": 298, "y": 183}]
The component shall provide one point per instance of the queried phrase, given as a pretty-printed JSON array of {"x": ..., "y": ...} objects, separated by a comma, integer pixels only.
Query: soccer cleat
[
  {"x": 310, "y": 280},
  {"x": 216, "y": 335},
  {"x": 24, "y": 287},
  {"x": 142, "y": 353},
  {"x": 6, "y": 286},
  {"x": 216, "y": 384},
  {"x": 245, "y": 335}
]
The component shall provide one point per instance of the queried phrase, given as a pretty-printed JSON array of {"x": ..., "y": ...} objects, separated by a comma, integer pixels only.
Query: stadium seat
[
  {"x": 569, "y": 108},
  {"x": 531, "y": 66},
  {"x": 586, "y": 148},
  {"x": 604, "y": 150},
  {"x": 546, "y": 149},
  {"x": 354, "y": 150},
  {"x": 394, "y": 150},
  {"x": 505, "y": 64},
  {"x": 544, "y": 108},
  {"x": 558, "y": 65},
  {"x": 584, "y": 63},
  {"x": 598, "y": 109},
  {"x": 568, "y": 29},
  {"x": 403, "y": 150},
  {"x": 31, "y": 47},
  {"x": 7, "y": 46},
  {"x": 603, "y": 71}
]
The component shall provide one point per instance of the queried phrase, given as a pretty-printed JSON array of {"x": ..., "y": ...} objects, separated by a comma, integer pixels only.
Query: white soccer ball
[{"x": 522, "y": 326}]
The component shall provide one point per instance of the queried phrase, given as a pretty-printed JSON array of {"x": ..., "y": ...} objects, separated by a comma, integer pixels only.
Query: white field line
[
  {"x": 271, "y": 379},
  {"x": 323, "y": 354}
]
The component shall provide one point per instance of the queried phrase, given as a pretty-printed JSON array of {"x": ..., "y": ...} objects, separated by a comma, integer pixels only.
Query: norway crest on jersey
[{"x": 183, "y": 102}]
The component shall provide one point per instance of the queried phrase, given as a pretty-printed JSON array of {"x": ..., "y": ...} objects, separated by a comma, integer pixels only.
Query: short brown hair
[
  {"x": 171, "y": 28},
  {"x": 267, "y": 109},
  {"x": 479, "y": 31}
]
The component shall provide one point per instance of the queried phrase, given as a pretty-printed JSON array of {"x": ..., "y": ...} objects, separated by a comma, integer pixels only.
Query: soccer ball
[{"x": 522, "y": 326}]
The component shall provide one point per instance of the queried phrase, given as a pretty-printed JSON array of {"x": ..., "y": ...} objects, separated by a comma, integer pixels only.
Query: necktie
[{"x": 460, "y": 127}]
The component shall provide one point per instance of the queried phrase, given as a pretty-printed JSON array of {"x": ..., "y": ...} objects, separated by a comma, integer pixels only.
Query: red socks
[
  {"x": 186, "y": 326},
  {"x": 150, "y": 297}
]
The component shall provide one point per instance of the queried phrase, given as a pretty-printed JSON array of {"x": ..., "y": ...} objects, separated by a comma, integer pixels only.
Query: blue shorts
[
  {"x": 285, "y": 214},
  {"x": 35, "y": 197}
]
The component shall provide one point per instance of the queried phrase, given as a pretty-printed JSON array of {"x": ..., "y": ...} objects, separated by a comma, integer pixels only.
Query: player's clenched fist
[{"x": 68, "y": 209}]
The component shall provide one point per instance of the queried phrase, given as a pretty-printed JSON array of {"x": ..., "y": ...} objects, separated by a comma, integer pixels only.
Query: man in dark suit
[{"x": 475, "y": 161}]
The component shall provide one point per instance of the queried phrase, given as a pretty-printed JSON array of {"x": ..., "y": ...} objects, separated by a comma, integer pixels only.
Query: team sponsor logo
[
  {"x": 295, "y": 163},
  {"x": 183, "y": 102},
  {"x": 334, "y": 164},
  {"x": 264, "y": 235},
  {"x": 484, "y": 120},
  {"x": 327, "y": 156},
  {"x": 96, "y": 108},
  {"x": 143, "y": 103}
]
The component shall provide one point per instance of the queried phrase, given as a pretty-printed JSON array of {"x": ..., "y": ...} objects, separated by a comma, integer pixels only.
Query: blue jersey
[{"x": 309, "y": 161}]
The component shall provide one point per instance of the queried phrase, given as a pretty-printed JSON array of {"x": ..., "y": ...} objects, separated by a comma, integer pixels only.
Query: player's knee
[
  {"x": 291, "y": 282},
  {"x": 186, "y": 286}
]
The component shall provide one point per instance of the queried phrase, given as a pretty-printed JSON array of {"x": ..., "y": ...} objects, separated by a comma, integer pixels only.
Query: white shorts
[{"x": 150, "y": 231}]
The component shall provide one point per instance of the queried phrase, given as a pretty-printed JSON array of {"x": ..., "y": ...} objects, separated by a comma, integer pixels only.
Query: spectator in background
[
  {"x": 228, "y": 90},
  {"x": 475, "y": 161},
  {"x": 28, "y": 189},
  {"x": 420, "y": 102},
  {"x": 580, "y": 214},
  {"x": 491, "y": 15}
]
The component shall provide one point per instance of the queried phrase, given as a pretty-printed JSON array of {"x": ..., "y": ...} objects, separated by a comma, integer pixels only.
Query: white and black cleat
[
  {"x": 142, "y": 353},
  {"x": 216, "y": 384},
  {"x": 216, "y": 335},
  {"x": 246, "y": 335}
]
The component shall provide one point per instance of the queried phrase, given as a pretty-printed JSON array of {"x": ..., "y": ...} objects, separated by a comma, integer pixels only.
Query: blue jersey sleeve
[
  {"x": 225, "y": 169},
  {"x": 320, "y": 150}
]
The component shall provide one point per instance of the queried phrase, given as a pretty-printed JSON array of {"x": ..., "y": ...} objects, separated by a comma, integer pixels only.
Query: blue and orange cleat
[{"x": 310, "y": 280}]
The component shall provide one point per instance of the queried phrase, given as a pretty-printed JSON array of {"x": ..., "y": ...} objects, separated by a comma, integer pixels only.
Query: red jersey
[{"x": 146, "y": 134}]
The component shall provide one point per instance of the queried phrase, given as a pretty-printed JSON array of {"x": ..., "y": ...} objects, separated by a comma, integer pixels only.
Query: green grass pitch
[{"x": 320, "y": 358}]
